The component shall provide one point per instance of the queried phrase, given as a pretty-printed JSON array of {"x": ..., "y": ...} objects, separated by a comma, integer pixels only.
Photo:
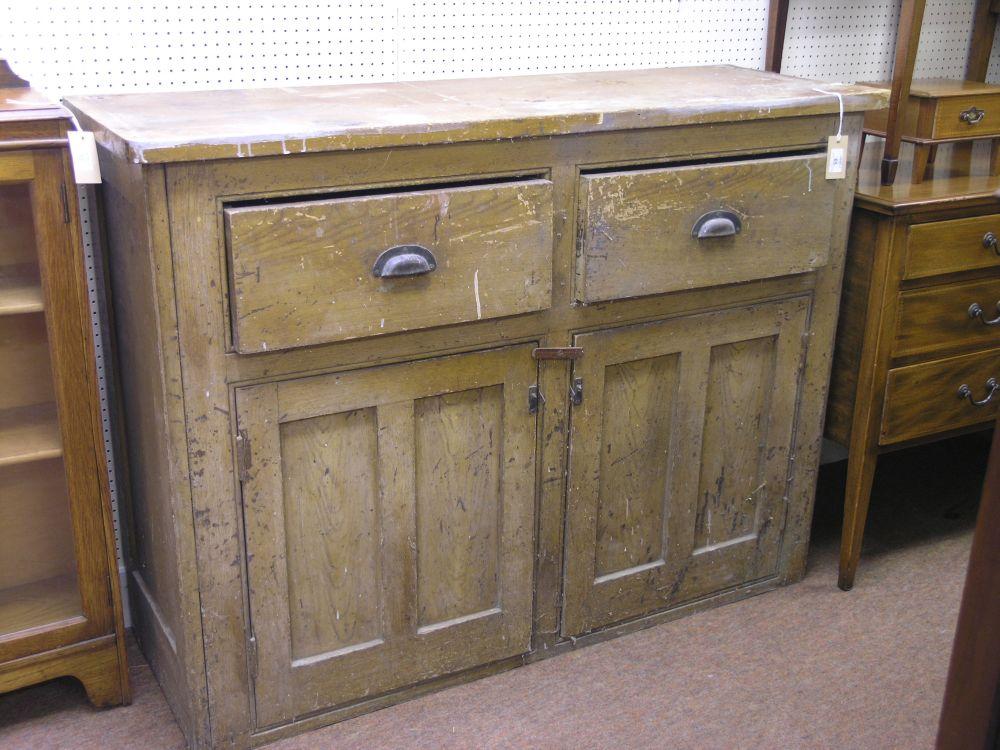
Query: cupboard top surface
[
  {"x": 197, "y": 125},
  {"x": 24, "y": 103}
]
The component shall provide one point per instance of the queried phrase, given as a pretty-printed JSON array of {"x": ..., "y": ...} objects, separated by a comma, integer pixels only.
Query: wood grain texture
[
  {"x": 923, "y": 399},
  {"x": 50, "y": 422},
  {"x": 941, "y": 247},
  {"x": 176, "y": 311},
  {"x": 302, "y": 271},
  {"x": 714, "y": 396},
  {"x": 187, "y": 126},
  {"x": 936, "y": 318},
  {"x": 636, "y": 226},
  {"x": 429, "y": 500}
]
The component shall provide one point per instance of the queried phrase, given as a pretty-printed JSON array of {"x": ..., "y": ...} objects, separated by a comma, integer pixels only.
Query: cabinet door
[
  {"x": 389, "y": 523},
  {"x": 54, "y": 556},
  {"x": 679, "y": 458}
]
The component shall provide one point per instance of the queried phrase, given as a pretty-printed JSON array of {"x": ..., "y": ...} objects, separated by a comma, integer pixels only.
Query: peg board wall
[
  {"x": 129, "y": 45},
  {"x": 92, "y": 46}
]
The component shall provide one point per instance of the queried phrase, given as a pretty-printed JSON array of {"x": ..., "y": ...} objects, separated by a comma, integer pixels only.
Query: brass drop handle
[
  {"x": 990, "y": 242},
  {"x": 964, "y": 392},
  {"x": 976, "y": 311},
  {"x": 717, "y": 224},
  {"x": 972, "y": 115},
  {"x": 404, "y": 260}
]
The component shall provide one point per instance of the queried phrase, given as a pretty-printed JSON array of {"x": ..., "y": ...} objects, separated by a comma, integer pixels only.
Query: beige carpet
[{"x": 807, "y": 666}]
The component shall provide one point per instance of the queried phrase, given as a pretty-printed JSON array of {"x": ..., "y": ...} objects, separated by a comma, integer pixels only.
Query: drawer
[
  {"x": 773, "y": 217},
  {"x": 943, "y": 317},
  {"x": 950, "y": 246},
  {"x": 949, "y": 121},
  {"x": 924, "y": 399},
  {"x": 317, "y": 271}
]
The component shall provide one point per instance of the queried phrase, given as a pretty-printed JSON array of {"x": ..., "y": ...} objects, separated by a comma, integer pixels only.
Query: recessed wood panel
[
  {"x": 457, "y": 438},
  {"x": 389, "y": 516},
  {"x": 741, "y": 381},
  {"x": 332, "y": 531},
  {"x": 639, "y": 401},
  {"x": 679, "y": 459}
]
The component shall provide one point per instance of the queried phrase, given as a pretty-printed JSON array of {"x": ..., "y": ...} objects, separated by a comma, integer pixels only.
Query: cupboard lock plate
[{"x": 535, "y": 399}]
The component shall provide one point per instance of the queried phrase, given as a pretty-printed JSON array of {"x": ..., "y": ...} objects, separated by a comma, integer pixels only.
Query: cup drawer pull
[
  {"x": 976, "y": 311},
  {"x": 717, "y": 224},
  {"x": 404, "y": 260},
  {"x": 964, "y": 392}
]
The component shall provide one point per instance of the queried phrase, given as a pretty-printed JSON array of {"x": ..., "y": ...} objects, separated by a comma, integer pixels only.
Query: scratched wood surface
[
  {"x": 389, "y": 518},
  {"x": 217, "y": 619},
  {"x": 185, "y": 126},
  {"x": 637, "y": 225},
  {"x": 679, "y": 462},
  {"x": 302, "y": 271}
]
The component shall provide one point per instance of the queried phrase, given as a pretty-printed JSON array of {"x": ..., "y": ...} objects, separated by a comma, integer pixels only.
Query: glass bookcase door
[{"x": 39, "y": 586}]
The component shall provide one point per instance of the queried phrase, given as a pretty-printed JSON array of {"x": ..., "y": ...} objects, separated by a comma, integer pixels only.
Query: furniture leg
[
  {"x": 921, "y": 158},
  {"x": 777, "y": 22},
  {"x": 860, "y": 473},
  {"x": 911, "y": 16},
  {"x": 984, "y": 26}
]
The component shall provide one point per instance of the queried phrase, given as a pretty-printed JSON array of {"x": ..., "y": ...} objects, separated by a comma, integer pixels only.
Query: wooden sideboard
[
  {"x": 918, "y": 349},
  {"x": 428, "y": 380},
  {"x": 60, "y": 606}
]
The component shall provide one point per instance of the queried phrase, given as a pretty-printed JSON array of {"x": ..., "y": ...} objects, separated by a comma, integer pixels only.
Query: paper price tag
[
  {"x": 83, "y": 153},
  {"x": 836, "y": 157}
]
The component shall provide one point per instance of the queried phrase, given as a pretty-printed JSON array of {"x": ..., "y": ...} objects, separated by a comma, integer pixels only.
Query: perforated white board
[{"x": 69, "y": 47}]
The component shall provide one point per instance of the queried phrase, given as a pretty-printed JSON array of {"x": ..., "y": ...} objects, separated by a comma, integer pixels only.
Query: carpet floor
[{"x": 807, "y": 666}]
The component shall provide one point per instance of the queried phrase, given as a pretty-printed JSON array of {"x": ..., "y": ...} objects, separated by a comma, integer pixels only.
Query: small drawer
[
  {"x": 758, "y": 218},
  {"x": 967, "y": 116},
  {"x": 950, "y": 246},
  {"x": 946, "y": 394},
  {"x": 950, "y": 316},
  {"x": 318, "y": 271}
]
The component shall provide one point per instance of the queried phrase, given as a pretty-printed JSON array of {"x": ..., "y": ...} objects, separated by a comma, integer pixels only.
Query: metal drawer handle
[
  {"x": 717, "y": 224},
  {"x": 965, "y": 392},
  {"x": 990, "y": 242},
  {"x": 404, "y": 260},
  {"x": 972, "y": 115},
  {"x": 976, "y": 311}
]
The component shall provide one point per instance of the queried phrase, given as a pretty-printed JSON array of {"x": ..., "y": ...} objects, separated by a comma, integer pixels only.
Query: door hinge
[
  {"x": 252, "y": 656},
  {"x": 244, "y": 459},
  {"x": 576, "y": 392},
  {"x": 535, "y": 399},
  {"x": 557, "y": 352},
  {"x": 65, "y": 202}
]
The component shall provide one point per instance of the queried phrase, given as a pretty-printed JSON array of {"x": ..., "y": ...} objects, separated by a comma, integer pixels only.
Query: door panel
[
  {"x": 389, "y": 517},
  {"x": 678, "y": 459}
]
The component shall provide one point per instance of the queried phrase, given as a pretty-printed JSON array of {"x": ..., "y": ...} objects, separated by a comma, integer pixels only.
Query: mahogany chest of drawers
[
  {"x": 918, "y": 347},
  {"x": 428, "y": 380}
]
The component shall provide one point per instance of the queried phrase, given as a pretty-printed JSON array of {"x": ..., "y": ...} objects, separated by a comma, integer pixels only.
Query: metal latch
[
  {"x": 576, "y": 392},
  {"x": 535, "y": 399},
  {"x": 243, "y": 457}
]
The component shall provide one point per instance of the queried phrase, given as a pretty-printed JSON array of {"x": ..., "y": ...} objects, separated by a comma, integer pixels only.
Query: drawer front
[
  {"x": 305, "y": 273},
  {"x": 951, "y": 316},
  {"x": 924, "y": 399},
  {"x": 951, "y": 246},
  {"x": 638, "y": 227},
  {"x": 951, "y": 111}
]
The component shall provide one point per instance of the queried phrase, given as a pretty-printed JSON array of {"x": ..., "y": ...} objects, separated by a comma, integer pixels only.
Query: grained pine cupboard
[{"x": 428, "y": 380}]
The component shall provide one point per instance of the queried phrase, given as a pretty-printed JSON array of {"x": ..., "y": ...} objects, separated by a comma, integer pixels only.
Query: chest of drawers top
[{"x": 198, "y": 125}]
